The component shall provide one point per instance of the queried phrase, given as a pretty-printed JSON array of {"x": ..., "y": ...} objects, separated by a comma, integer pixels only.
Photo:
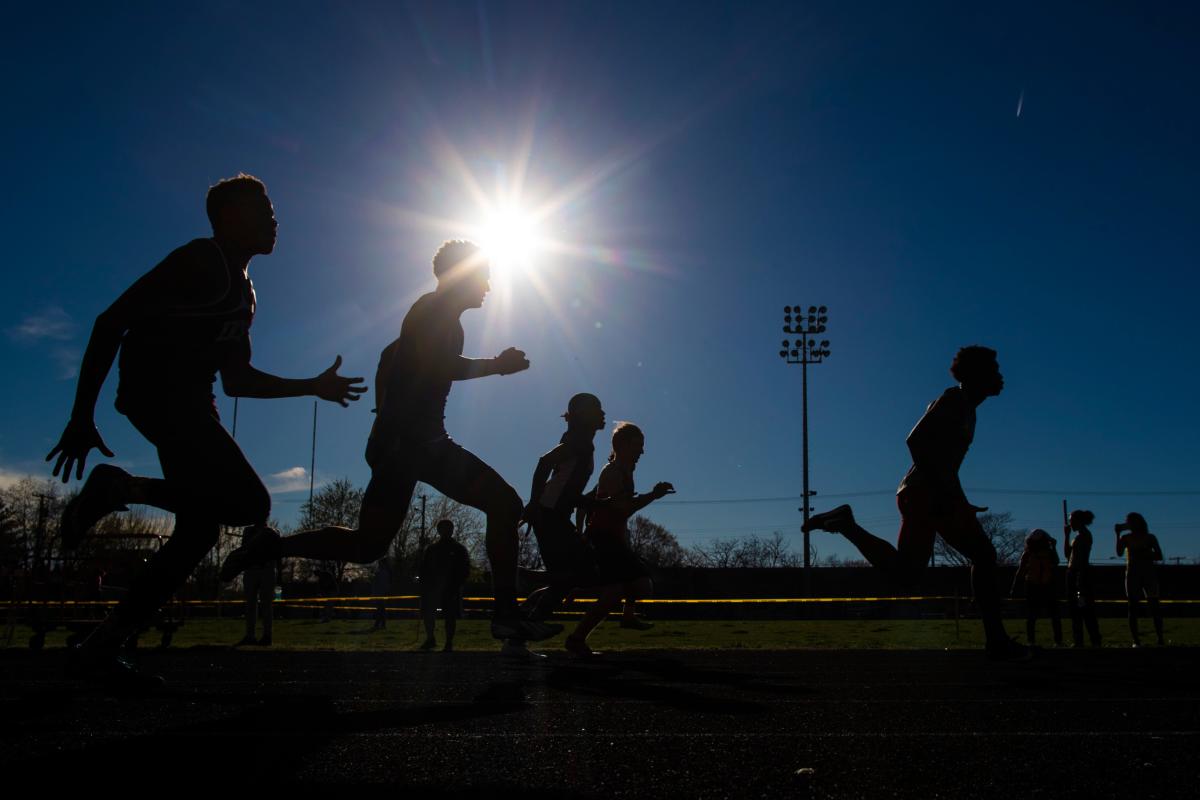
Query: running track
[{"x": 1112, "y": 723}]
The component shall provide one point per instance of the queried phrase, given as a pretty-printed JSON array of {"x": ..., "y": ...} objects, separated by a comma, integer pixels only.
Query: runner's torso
[
  {"x": 414, "y": 373},
  {"x": 614, "y": 482},
  {"x": 947, "y": 429},
  {"x": 569, "y": 478},
  {"x": 1139, "y": 549},
  {"x": 175, "y": 352},
  {"x": 1081, "y": 550}
]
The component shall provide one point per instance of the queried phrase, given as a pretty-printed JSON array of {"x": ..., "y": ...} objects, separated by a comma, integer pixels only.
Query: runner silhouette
[
  {"x": 409, "y": 443},
  {"x": 932, "y": 500},
  {"x": 175, "y": 328},
  {"x": 1080, "y": 595}
]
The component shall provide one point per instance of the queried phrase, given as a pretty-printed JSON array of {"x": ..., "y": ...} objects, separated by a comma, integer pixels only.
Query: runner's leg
[
  {"x": 962, "y": 531},
  {"x": 212, "y": 483}
]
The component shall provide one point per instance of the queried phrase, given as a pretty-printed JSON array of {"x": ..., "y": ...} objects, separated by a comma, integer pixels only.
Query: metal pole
[
  {"x": 312, "y": 469},
  {"x": 804, "y": 457}
]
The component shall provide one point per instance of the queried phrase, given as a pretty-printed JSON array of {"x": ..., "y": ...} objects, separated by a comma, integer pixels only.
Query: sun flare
[{"x": 511, "y": 239}]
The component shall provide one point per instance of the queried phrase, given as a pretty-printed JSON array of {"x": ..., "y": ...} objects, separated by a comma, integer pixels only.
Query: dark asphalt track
[{"x": 1112, "y": 723}]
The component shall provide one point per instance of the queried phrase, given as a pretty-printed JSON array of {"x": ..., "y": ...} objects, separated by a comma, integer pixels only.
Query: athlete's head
[
  {"x": 463, "y": 272},
  {"x": 241, "y": 214},
  {"x": 1080, "y": 519},
  {"x": 1136, "y": 523},
  {"x": 584, "y": 412},
  {"x": 445, "y": 528},
  {"x": 976, "y": 368},
  {"x": 1037, "y": 538},
  {"x": 628, "y": 443}
]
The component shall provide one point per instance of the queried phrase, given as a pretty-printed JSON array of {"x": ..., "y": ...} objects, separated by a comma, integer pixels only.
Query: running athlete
[
  {"x": 932, "y": 500},
  {"x": 1036, "y": 566},
  {"x": 176, "y": 328},
  {"x": 409, "y": 443},
  {"x": 557, "y": 494},
  {"x": 1080, "y": 596},
  {"x": 622, "y": 572},
  {"x": 1140, "y": 548}
]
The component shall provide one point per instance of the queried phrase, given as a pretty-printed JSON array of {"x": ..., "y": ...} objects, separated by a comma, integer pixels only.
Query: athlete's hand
[
  {"x": 73, "y": 447},
  {"x": 510, "y": 361},
  {"x": 662, "y": 489},
  {"x": 531, "y": 514},
  {"x": 336, "y": 389},
  {"x": 976, "y": 509}
]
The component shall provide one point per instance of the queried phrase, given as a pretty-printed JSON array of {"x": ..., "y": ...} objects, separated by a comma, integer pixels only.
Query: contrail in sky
[{"x": 1020, "y": 103}]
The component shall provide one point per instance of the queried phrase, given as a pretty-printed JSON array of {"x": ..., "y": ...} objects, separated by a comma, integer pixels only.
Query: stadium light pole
[{"x": 804, "y": 351}]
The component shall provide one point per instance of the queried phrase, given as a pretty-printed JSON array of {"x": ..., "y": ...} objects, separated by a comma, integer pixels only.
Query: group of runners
[{"x": 188, "y": 319}]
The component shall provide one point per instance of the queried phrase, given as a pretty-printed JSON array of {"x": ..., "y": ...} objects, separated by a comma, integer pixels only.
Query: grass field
[{"x": 356, "y": 635}]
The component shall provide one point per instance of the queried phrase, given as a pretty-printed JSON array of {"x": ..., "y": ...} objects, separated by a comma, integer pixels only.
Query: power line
[{"x": 881, "y": 492}]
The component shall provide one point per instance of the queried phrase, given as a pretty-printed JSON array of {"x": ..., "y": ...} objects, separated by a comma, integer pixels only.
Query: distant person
[
  {"x": 1036, "y": 566},
  {"x": 176, "y": 327},
  {"x": 556, "y": 495},
  {"x": 258, "y": 588},
  {"x": 409, "y": 443},
  {"x": 327, "y": 590},
  {"x": 1140, "y": 548},
  {"x": 623, "y": 574},
  {"x": 932, "y": 500},
  {"x": 381, "y": 587},
  {"x": 445, "y": 565},
  {"x": 1080, "y": 595}
]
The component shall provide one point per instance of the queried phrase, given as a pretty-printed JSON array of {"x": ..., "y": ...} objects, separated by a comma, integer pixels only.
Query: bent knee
[{"x": 504, "y": 502}]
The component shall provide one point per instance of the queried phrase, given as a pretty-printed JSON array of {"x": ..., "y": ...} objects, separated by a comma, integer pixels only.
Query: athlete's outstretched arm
[
  {"x": 241, "y": 379},
  {"x": 464, "y": 369},
  {"x": 154, "y": 289}
]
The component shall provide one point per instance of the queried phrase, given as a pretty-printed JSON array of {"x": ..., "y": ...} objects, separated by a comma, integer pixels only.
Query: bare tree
[
  {"x": 1008, "y": 540},
  {"x": 752, "y": 551},
  {"x": 654, "y": 544},
  {"x": 335, "y": 503}
]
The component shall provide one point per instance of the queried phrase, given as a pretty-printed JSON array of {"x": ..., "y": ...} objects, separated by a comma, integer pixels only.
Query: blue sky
[{"x": 702, "y": 165}]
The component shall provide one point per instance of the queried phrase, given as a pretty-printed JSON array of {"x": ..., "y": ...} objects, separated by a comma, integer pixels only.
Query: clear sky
[{"x": 938, "y": 174}]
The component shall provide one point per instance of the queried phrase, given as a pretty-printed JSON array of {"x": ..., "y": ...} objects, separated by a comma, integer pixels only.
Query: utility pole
[
  {"x": 312, "y": 467},
  {"x": 39, "y": 541},
  {"x": 805, "y": 351}
]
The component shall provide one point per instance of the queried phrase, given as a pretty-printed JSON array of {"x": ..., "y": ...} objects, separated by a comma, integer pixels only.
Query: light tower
[{"x": 805, "y": 351}]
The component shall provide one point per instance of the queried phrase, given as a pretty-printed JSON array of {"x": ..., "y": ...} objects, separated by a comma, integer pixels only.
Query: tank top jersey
[
  {"x": 566, "y": 483},
  {"x": 1139, "y": 549},
  {"x": 174, "y": 352},
  {"x": 949, "y": 424},
  {"x": 614, "y": 482},
  {"x": 413, "y": 381},
  {"x": 1039, "y": 567},
  {"x": 1081, "y": 550}
]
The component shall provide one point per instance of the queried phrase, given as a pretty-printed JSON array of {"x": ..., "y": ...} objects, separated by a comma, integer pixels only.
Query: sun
[{"x": 511, "y": 239}]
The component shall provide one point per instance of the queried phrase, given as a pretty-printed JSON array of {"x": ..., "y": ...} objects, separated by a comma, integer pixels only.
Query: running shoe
[
  {"x": 832, "y": 520},
  {"x": 518, "y": 650},
  {"x": 636, "y": 624},
  {"x": 429, "y": 644},
  {"x": 110, "y": 671},
  {"x": 103, "y": 493},
  {"x": 259, "y": 543},
  {"x": 1010, "y": 650},
  {"x": 530, "y": 630},
  {"x": 578, "y": 647}
]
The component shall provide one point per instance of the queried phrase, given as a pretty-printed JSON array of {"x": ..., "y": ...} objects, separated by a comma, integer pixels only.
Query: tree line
[{"x": 30, "y": 544}]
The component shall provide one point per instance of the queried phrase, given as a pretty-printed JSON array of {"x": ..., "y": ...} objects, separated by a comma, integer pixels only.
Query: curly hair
[
  {"x": 455, "y": 255},
  {"x": 973, "y": 361},
  {"x": 230, "y": 190}
]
